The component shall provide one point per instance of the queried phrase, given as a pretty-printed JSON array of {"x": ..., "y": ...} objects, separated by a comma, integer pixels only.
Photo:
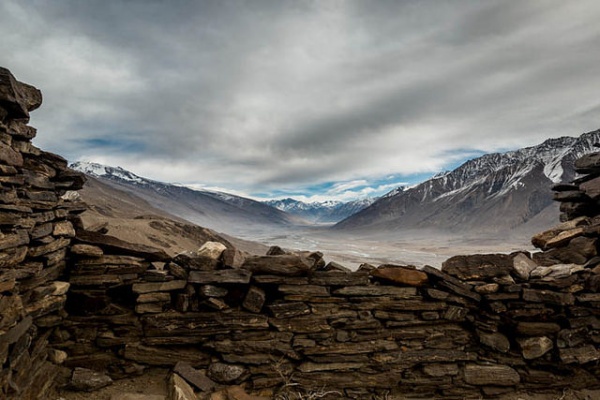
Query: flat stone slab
[
  {"x": 221, "y": 276},
  {"x": 400, "y": 275},
  {"x": 492, "y": 375},
  {"x": 286, "y": 265},
  {"x": 87, "y": 380},
  {"x": 120, "y": 246}
]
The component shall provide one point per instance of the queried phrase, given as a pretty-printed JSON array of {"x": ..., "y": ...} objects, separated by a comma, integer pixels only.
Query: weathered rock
[
  {"x": 495, "y": 340},
  {"x": 478, "y": 266},
  {"x": 493, "y": 375},
  {"x": 194, "y": 377},
  {"x": 86, "y": 250},
  {"x": 87, "y": 380},
  {"x": 16, "y": 97},
  {"x": 212, "y": 250},
  {"x": 286, "y": 265},
  {"x": 150, "y": 287},
  {"x": 401, "y": 275},
  {"x": 588, "y": 163},
  {"x": 254, "y": 300},
  {"x": 121, "y": 247},
  {"x": 537, "y": 328},
  {"x": 547, "y": 296},
  {"x": 212, "y": 291},
  {"x": 57, "y": 357},
  {"x": 233, "y": 258},
  {"x": 221, "y": 276},
  {"x": 535, "y": 347},
  {"x": 306, "y": 290},
  {"x": 579, "y": 355},
  {"x": 438, "y": 370},
  {"x": 165, "y": 356},
  {"x": 333, "y": 266},
  {"x": 276, "y": 251},
  {"x": 63, "y": 229},
  {"x": 339, "y": 278},
  {"x": 557, "y": 271},
  {"x": 523, "y": 265},
  {"x": 191, "y": 260},
  {"x": 388, "y": 291},
  {"x": 154, "y": 297},
  {"x": 226, "y": 373},
  {"x": 179, "y": 389},
  {"x": 487, "y": 288}
]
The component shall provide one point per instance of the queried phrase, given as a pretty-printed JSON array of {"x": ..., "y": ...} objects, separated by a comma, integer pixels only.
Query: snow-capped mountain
[
  {"x": 216, "y": 210},
  {"x": 321, "y": 212},
  {"x": 494, "y": 193}
]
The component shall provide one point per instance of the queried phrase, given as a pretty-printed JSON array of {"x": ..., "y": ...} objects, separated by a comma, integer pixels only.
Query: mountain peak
[
  {"x": 104, "y": 171},
  {"x": 492, "y": 192}
]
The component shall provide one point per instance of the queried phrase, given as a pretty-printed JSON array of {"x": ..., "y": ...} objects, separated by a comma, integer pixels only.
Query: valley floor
[{"x": 412, "y": 247}]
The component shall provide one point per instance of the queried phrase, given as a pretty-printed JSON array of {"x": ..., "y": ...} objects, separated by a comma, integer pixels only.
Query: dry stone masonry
[
  {"x": 35, "y": 233},
  {"x": 86, "y": 306}
]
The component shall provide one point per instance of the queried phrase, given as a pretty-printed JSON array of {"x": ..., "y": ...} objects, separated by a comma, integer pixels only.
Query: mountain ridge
[
  {"x": 494, "y": 192},
  {"x": 219, "y": 211},
  {"x": 329, "y": 211}
]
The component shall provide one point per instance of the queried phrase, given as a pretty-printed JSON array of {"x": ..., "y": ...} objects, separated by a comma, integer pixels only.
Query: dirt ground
[{"x": 153, "y": 386}]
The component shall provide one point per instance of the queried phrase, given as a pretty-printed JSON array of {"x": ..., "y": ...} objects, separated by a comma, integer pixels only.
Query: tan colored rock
[
  {"x": 63, "y": 229},
  {"x": 540, "y": 240},
  {"x": 564, "y": 237},
  {"x": 400, "y": 275},
  {"x": 87, "y": 250},
  {"x": 179, "y": 389},
  {"x": 212, "y": 250},
  {"x": 154, "y": 297},
  {"x": 523, "y": 266},
  {"x": 194, "y": 376},
  {"x": 487, "y": 288},
  {"x": 57, "y": 357},
  {"x": 535, "y": 347},
  {"x": 557, "y": 271}
]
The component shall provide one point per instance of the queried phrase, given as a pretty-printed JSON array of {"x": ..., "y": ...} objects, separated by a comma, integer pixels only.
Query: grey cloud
[{"x": 255, "y": 93}]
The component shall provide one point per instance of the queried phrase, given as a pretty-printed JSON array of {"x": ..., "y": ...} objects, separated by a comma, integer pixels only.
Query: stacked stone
[
  {"x": 537, "y": 323},
  {"x": 35, "y": 232},
  {"x": 582, "y": 196},
  {"x": 484, "y": 325}
]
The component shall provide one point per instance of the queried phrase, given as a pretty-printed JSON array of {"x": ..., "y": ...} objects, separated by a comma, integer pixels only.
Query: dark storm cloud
[{"x": 255, "y": 95}]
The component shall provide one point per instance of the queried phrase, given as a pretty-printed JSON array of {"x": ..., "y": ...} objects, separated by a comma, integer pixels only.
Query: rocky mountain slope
[
  {"x": 128, "y": 217},
  {"x": 321, "y": 212},
  {"x": 219, "y": 211},
  {"x": 494, "y": 193}
]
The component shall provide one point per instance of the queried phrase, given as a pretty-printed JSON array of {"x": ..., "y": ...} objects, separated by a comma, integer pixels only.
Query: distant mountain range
[
  {"x": 321, "y": 212},
  {"x": 495, "y": 193},
  {"x": 216, "y": 210}
]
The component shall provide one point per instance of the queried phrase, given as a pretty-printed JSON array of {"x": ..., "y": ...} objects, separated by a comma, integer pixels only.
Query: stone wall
[
  {"x": 482, "y": 326},
  {"x": 35, "y": 233}
]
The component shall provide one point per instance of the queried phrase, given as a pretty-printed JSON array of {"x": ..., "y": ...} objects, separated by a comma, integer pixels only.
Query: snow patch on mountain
[{"x": 329, "y": 211}]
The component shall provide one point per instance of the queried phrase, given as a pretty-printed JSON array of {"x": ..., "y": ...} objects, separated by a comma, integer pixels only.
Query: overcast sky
[{"x": 321, "y": 99}]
